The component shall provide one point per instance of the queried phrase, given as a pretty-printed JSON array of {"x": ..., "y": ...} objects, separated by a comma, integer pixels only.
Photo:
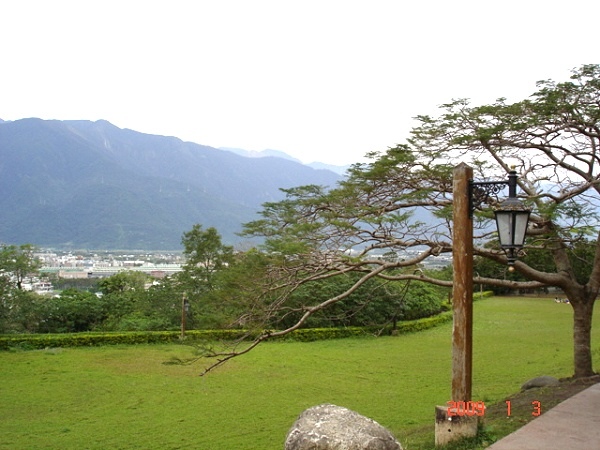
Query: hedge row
[
  {"x": 410, "y": 326},
  {"x": 40, "y": 341}
]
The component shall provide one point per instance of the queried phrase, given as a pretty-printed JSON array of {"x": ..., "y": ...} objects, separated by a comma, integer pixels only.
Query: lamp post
[
  {"x": 511, "y": 219},
  {"x": 185, "y": 307}
]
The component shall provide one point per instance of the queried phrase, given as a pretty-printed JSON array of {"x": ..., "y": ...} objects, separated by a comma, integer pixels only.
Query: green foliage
[
  {"x": 18, "y": 262},
  {"x": 124, "y": 304},
  {"x": 82, "y": 284},
  {"x": 122, "y": 300},
  {"x": 33, "y": 341},
  {"x": 161, "y": 303},
  {"x": 204, "y": 249},
  {"x": 400, "y": 202},
  {"x": 289, "y": 240},
  {"x": 373, "y": 303},
  {"x": 72, "y": 311},
  {"x": 112, "y": 338},
  {"x": 124, "y": 281},
  {"x": 21, "y": 311},
  {"x": 422, "y": 300},
  {"x": 139, "y": 321},
  {"x": 242, "y": 292},
  {"x": 206, "y": 255},
  {"x": 580, "y": 253}
]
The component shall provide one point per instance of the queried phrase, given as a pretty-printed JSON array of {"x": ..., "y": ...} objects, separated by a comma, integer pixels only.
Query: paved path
[{"x": 571, "y": 425}]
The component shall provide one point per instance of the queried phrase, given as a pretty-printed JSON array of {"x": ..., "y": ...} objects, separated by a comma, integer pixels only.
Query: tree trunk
[{"x": 582, "y": 334}]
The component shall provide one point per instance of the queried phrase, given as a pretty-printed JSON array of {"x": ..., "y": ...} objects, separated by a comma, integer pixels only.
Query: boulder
[
  {"x": 542, "y": 381},
  {"x": 331, "y": 427}
]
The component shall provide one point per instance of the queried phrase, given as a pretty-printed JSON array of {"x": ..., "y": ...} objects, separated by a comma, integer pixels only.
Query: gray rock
[
  {"x": 331, "y": 427},
  {"x": 542, "y": 381}
]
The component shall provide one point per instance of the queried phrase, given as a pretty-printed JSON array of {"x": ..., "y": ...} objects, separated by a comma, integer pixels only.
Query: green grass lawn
[{"x": 126, "y": 398}]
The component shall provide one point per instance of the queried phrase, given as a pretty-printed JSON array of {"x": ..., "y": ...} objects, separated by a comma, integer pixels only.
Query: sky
[{"x": 322, "y": 80}]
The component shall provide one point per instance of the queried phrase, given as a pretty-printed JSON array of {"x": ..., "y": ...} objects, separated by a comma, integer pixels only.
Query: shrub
[{"x": 40, "y": 341}]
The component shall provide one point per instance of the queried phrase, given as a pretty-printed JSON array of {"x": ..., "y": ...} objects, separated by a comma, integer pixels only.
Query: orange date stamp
[
  {"x": 536, "y": 405},
  {"x": 465, "y": 408},
  {"x": 471, "y": 409}
]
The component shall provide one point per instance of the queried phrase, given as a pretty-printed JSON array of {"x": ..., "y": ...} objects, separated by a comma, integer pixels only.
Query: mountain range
[
  {"x": 279, "y": 154},
  {"x": 82, "y": 184}
]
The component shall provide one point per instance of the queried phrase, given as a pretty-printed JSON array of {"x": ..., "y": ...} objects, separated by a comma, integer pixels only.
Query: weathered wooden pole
[{"x": 462, "y": 298}]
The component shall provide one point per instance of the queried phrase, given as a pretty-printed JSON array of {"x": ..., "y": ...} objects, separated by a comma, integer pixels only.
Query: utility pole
[{"x": 462, "y": 300}]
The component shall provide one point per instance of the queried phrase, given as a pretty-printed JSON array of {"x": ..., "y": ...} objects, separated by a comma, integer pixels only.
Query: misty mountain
[
  {"x": 83, "y": 184},
  {"x": 260, "y": 154},
  {"x": 340, "y": 170}
]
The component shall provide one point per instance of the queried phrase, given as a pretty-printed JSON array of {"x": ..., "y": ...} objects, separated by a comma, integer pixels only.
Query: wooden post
[
  {"x": 183, "y": 314},
  {"x": 450, "y": 427},
  {"x": 462, "y": 300}
]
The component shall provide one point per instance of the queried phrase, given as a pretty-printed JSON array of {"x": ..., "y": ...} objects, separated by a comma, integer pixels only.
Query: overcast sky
[{"x": 324, "y": 80}]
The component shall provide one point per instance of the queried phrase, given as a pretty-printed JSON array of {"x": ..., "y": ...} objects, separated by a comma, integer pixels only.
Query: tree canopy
[
  {"x": 400, "y": 203},
  {"x": 18, "y": 262},
  {"x": 205, "y": 253}
]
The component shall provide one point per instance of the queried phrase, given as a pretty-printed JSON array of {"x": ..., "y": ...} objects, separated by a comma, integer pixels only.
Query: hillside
[{"x": 84, "y": 184}]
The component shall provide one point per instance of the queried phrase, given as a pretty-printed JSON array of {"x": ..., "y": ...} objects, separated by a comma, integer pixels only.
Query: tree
[
  {"x": 376, "y": 303},
  {"x": 400, "y": 203},
  {"x": 553, "y": 137},
  {"x": 20, "y": 311},
  {"x": 242, "y": 297},
  {"x": 206, "y": 255},
  {"x": 72, "y": 311},
  {"x": 18, "y": 262},
  {"x": 205, "y": 252},
  {"x": 125, "y": 281},
  {"x": 122, "y": 294}
]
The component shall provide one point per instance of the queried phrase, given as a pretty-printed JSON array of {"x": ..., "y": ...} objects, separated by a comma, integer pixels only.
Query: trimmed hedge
[
  {"x": 41, "y": 341},
  {"x": 424, "y": 324}
]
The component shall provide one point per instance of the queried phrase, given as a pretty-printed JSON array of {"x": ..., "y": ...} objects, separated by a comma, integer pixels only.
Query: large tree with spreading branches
[{"x": 400, "y": 203}]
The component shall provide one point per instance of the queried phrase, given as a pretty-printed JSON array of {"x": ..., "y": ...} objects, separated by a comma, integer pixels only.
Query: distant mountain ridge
[
  {"x": 341, "y": 170},
  {"x": 84, "y": 184},
  {"x": 260, "y": 154}
]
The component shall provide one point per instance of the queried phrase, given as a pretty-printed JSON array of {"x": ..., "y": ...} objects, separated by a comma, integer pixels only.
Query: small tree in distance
[
  {"x": 18, "y": 262},
  {"x": 206, "y": 255}
]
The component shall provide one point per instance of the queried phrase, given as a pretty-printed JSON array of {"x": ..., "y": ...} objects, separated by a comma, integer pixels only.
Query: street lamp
[
  {"x": 512, "y": 218},
  {"x": 511, "y": 215}
]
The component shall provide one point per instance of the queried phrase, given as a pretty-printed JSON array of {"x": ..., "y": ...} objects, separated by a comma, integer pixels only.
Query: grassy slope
[{"x": 125, "y": 398}]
